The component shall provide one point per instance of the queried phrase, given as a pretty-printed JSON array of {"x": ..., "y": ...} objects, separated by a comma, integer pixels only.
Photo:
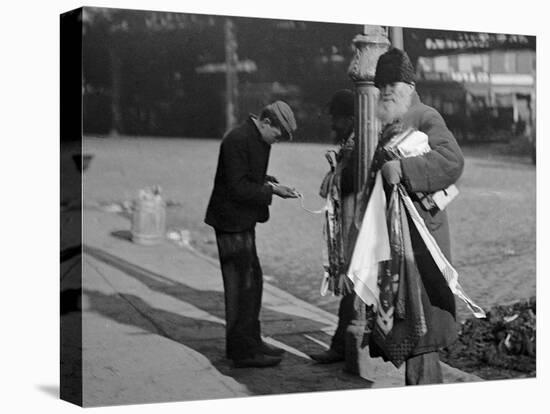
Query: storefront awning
[{"x": 428, "y": 42}]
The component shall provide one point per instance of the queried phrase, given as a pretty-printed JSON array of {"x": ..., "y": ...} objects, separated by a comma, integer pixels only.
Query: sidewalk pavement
[{"x": 153, "y": 328}]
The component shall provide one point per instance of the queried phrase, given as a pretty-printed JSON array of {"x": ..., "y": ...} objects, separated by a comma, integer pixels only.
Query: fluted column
[{"x": 368, "y": 48}]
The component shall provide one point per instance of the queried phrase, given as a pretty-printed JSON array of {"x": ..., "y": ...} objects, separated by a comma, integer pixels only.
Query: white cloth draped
[{"x": 371, "y": 248}]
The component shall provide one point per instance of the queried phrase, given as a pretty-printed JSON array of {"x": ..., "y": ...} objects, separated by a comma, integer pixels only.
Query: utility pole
[
  {"x": 231, "y": 77},
  {"x": 368, "y": 48},
  {"x": 116, "y": 92},
  {"x": 396, "y": 37}
]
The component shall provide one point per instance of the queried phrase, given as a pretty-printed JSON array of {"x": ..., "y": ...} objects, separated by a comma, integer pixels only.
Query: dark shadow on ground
[
  {"x": 70, "y": 324},
  {"x": 209, "y": 301},
  {"x": 51, "y": 390},
  {"x": 68, "y": 253},
  {"x": 125, "y": 235},
  {"x": 295, "y": 374}
]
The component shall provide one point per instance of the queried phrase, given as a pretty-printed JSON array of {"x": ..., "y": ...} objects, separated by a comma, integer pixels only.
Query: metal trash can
[{"x": 148, "y": 218}]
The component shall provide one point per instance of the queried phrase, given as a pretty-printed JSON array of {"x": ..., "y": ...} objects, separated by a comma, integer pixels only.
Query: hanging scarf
[
  {"x": 385, "y": 276},
  {"x": 400, "y": 320},
  {"x": 334, "y": 255},
  {"x": 447, "y": 270},
  {"x": 371, "y": 247},
  {"x": 333, "y": 249}
]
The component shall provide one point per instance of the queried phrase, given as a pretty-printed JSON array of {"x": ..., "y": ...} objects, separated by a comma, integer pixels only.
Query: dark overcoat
[
  {"x": 240, "y": 197},
  {"x": 433, "y": 171}
]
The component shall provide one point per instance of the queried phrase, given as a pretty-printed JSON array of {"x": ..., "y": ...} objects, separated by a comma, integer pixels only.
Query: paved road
[
  {"x": 153, "y": 328},
  {"x": 493, "y": 221},
  {"x": 153, "y": 316}
]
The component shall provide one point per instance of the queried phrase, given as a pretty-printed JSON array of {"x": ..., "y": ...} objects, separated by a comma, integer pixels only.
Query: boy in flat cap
[
  {"x": 241, "y": 197},
  {"x": 400, "y": 108}
]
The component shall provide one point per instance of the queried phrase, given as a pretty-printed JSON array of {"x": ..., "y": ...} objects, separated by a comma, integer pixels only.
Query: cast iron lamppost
[{"x": 368, "y": 48}]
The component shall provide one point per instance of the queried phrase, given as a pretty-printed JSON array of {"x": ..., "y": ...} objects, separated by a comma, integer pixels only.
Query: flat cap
[{"x": 285, "y": 116}]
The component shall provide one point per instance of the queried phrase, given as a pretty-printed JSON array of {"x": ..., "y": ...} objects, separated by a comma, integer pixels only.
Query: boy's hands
[
  {"x": 271, "y": 179},
  {"x": 283, "y": 191}
]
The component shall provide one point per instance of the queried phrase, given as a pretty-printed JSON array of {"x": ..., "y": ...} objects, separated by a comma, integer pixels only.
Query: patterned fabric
[
  {"x": 371, "y": 248},
  {"x": 379, "y": 158},
  {"x": 335, "y": 227},
  {"x": 333, "y": 250},
  {"x": 400, "y": 320},
  {"x": 388, "y": 277},
  {"x": 447, "y": 270}
]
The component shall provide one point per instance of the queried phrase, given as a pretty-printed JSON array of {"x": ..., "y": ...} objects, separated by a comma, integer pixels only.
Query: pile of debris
[{"x": 502, "y": 345}]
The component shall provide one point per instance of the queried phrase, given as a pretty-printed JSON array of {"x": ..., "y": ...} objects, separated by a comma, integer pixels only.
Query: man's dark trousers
[
  {"x": 423, "y": 369},
  {"x": 243, "y": 284},
  {"x": 347, "y": 312},
  {"x": 349, "y": 335}
]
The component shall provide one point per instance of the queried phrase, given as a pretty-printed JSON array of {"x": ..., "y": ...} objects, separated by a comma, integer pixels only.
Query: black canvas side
[{"x": 71, "y": 168}]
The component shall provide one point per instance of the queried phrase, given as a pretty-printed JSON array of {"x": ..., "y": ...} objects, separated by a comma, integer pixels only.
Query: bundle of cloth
[
  {"x": 334, "y": 234},
  {"x": 383, "y": 269}
]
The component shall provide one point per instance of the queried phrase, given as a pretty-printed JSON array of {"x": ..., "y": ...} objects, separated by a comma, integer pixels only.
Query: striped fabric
[
  {"x": 447, "y": 270},
  {"x": 371, "y": 248}
]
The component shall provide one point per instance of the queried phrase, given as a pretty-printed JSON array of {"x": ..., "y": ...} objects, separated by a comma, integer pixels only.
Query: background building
[
  {"x": 484, "y": 95},
  {"x": 190, "y": 75}
]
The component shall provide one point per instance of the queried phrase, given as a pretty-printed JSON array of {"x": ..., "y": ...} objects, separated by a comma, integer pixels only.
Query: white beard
[{"x": 390, "y": 111}]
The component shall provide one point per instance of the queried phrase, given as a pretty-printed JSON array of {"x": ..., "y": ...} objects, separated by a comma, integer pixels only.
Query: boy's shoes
[
  {"x": 271, "y": 350},
  {"x": 327, "y": 357},
  {"x": 257, "y": 361},
  {"x": 265, "y": 349}
]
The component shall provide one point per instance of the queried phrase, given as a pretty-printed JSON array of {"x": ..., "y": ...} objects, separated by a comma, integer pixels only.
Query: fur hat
[
  {"x": 342, "y": 103},
  {"x": 393, "y": 66}
]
